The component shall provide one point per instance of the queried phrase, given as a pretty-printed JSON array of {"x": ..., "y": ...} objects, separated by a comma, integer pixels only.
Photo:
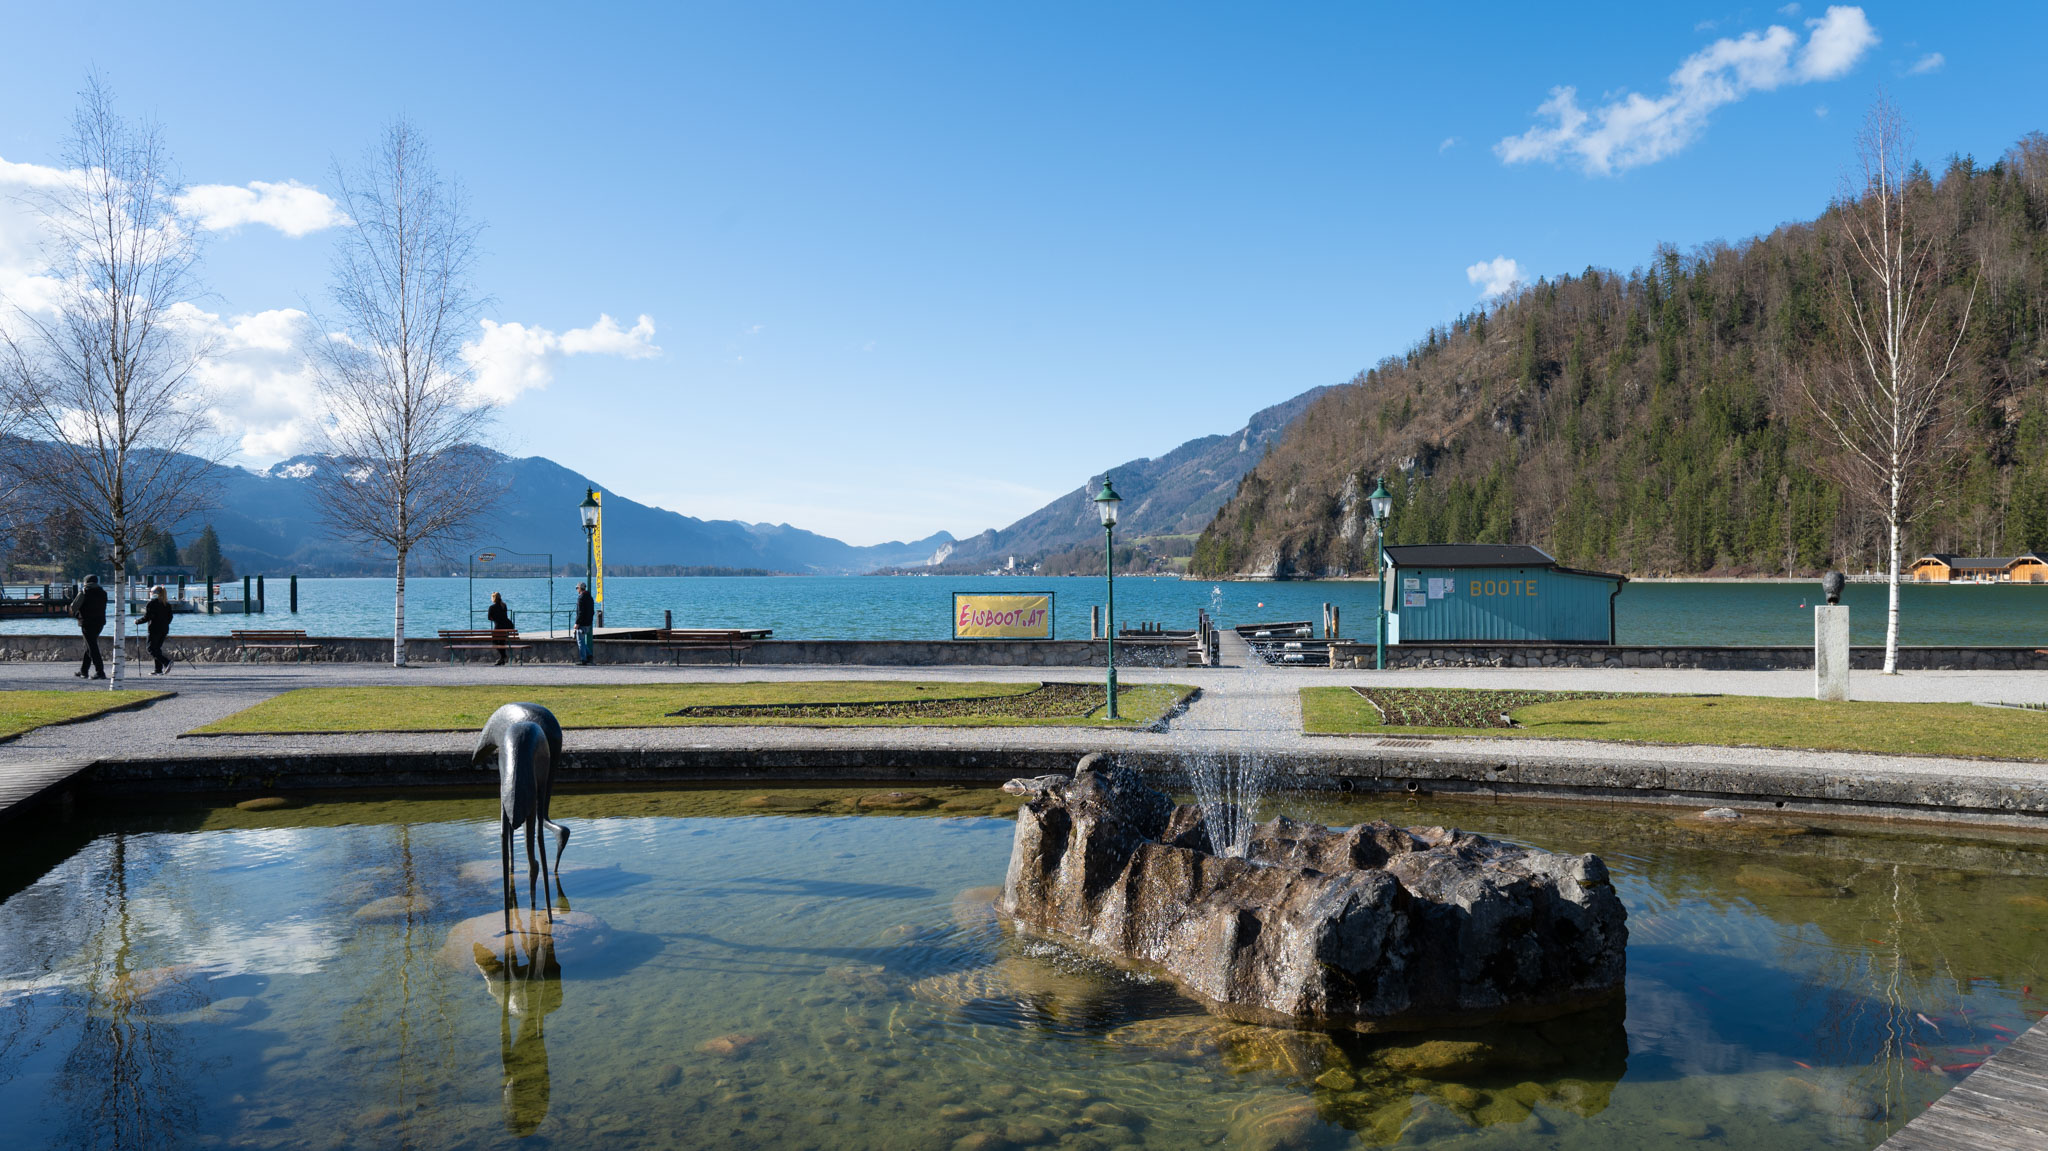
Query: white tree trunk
[
  {"x": 1891, "y": 622},
  {"x": 398, "y": 618},
  {"x": 120, "y": 625}
]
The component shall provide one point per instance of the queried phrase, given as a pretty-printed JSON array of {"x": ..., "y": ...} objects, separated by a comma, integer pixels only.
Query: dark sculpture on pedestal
[
  {"x": 1831, "y": 586},
  {"x": 1369, "y": 929}
]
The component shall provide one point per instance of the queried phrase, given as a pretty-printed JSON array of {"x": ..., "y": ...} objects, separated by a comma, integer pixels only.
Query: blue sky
[{"x": 877, "y": 270}]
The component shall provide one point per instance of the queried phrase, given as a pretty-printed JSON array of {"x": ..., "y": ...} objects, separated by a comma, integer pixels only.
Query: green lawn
[
  {"x": 1952, "y": 729},
  {"x": 890, "y": 703},
  {"x": 22, "y": 711}
]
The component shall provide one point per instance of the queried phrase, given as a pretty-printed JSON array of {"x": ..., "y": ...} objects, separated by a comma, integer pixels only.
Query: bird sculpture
[{"x": 527, "y": 743}]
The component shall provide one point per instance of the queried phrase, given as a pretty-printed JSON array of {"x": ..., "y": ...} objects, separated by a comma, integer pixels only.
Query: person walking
[
  {"x": 89, "y": 608},
  {"x": 156, "y": 616},
  {"x": 586, "y": 615},
  {"x": 501, "y": 624}
]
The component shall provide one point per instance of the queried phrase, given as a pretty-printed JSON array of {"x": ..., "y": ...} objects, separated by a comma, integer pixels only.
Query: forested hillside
[{"x": 1652, "y": 422}]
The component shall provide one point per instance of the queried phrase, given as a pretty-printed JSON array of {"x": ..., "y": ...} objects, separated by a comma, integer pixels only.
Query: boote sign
[{"x": 1002, "y": 616}]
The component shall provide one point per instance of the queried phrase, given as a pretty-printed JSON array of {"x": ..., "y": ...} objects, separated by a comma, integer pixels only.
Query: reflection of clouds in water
[
  {"x": 1664, "y": 1021},
  {"x": 188, "y": 903}
]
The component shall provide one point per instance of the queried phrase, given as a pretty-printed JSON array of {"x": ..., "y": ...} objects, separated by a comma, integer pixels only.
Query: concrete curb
[{"x": 1873, "y": 793}]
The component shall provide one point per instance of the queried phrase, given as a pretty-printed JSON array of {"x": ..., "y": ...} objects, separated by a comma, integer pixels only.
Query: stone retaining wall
[
  {"x": 357, "y": 649},
  {"x": 1417, "y": 771},
  {"x": 1756, "y": 658},
  {"x": 1048, "y": 653}
]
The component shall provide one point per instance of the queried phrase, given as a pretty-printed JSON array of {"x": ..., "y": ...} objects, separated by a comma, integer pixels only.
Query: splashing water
[{"x": 1229, "y": 786}]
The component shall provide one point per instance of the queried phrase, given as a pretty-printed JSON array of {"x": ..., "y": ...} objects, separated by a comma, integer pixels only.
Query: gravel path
[{"x": 1241, "y": 708}]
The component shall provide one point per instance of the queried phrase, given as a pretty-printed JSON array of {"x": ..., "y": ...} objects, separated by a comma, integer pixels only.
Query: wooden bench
[
  {"x": 482, "y": 639},
  {"x": 274, "y": 639},
  {"x": 736, "y": 642}
]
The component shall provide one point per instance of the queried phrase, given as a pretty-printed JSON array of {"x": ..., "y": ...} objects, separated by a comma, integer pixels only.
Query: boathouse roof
[{"x": 1482, "y": 556}]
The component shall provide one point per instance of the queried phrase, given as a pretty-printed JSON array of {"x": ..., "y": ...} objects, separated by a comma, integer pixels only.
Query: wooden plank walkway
[
  {"x": 25, "y": 784},
  {"x": 2001, "y": 1106}
]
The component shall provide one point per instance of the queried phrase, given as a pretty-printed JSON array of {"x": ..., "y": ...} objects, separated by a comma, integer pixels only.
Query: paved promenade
[{"x": 1241, "y": 708}]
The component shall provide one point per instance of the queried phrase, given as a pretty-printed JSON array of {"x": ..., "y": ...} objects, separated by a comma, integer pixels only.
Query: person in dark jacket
[
  {"x": 157, "y": 618},
  {"x": 586, "y": 615},
  {"x": 501, "y": 622},
  {"x": 89, "y": 608}
]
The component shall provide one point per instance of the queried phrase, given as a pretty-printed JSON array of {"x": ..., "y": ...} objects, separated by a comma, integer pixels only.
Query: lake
[
  {"x": 918, "y": 607},
  {"x": 184, "y": 976}
]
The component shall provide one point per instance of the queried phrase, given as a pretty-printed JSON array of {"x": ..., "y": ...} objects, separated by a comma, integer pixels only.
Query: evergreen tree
[{"x": 204, "y": 557}]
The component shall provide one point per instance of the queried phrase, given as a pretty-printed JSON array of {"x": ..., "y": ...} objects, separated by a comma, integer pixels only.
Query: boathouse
[
  {"x": 1945, "y": 567},
  {"x": 1495, "y": 593}
]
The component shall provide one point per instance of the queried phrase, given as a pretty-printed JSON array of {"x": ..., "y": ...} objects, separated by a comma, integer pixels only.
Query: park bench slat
[
  {"x": 481, "y": 639},
  {"x": 271, "y": 639}
]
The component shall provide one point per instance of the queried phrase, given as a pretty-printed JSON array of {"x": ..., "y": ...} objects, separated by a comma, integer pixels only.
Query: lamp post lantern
[
  {"x": 1106, "y": 502},
  {"x": 588, "y": 510},
  {"x": 1382, "y": 507}
]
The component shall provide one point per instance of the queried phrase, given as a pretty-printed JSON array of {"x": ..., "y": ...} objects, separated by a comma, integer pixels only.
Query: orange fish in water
[
  {"x": 1973, "y": 1050},
  {"x": 1962, "y": 1066},
  {"x": 1996, "y": 1027},
  {"x": 1920, "y": 1064},
  {"x": 1797, "y": 1063}
]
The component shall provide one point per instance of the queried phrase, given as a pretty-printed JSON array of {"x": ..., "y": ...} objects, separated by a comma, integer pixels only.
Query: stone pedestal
[{"x": 1831, "y": 652}]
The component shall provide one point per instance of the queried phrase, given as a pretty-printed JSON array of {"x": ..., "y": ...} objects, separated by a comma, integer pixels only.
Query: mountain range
[{"x": 268, "y": 520}]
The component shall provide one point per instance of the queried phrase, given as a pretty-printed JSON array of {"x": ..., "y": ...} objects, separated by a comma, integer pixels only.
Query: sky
[{"x": 879, "y": 270}]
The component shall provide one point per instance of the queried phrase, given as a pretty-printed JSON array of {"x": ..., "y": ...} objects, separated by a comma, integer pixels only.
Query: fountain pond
[{"x": 822, "y": 969}]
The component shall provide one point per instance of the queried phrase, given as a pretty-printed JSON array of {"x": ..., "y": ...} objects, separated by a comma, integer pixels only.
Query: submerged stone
[
  {"x": 568, "y": 938},
  {"x": 267, "y": 803},
  {"x": 1372, "y": 928}
]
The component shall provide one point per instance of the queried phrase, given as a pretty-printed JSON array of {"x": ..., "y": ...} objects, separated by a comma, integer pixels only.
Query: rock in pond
[
  {"x": 569, "y": 937},
  {"x": 1368, "y": 929}
]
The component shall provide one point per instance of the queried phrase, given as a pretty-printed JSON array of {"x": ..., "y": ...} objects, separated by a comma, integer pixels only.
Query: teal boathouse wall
[{"x": 1502, "y": 605}]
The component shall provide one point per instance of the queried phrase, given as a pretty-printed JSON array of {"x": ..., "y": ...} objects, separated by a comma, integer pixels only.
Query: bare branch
[
  {"x": 112, "y": 429},
  {"x": 404, "y": 422},
  {"x": 1885, "y": 397}
]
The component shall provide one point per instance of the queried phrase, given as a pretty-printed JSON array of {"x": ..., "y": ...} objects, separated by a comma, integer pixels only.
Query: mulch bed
[
  {"x": 1046, "y": 701},
  {"x": 1460, "y": 707}
]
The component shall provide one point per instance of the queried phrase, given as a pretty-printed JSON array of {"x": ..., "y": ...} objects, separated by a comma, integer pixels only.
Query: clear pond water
[
  {"x": 787, "y": 974},
  {"x": 915, "y": 607}
]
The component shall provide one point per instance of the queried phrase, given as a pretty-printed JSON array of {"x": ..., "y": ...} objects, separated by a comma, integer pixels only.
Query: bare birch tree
[
  {"x": 1887, "y": 399},
  {"x": 403, "y": 417},
  {"x": 111, "y": 425}
]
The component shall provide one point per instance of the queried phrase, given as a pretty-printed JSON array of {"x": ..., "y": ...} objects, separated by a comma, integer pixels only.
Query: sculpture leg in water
[{"x": 527, "y": 743}]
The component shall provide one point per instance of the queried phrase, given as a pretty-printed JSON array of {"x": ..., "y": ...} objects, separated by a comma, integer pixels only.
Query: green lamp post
[
  {"x": 1382, "y": 507},
  {"x": 1106, "y": 502}
]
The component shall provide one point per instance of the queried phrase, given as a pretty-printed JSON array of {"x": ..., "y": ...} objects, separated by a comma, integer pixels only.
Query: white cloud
[
  {"x": 511, "y": 358},
  {"x": 1633, "y": 129},
  {"x": 1449, "y": 143},
  {"x": 1931, "y": 62},
  {"x": 290, "y": 207},
  {"x": 258, "y": 388},
  {"x": 1494, "y": 276},
  {"x": 1789, "y": 10}
]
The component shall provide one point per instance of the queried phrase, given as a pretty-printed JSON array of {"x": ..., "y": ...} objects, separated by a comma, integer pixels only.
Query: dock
[
  {"x": 2001, "y": 1106},
  {"x": 25, "y": 786}
]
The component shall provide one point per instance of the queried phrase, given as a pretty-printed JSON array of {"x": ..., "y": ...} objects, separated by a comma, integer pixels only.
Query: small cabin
[
  {"x": 1494, "y": 593},
  {"x": 1946, "y": 567}
]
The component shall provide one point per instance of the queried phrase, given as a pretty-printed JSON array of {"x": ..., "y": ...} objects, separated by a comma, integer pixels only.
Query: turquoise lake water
[
  {"x": 186, "y": 977},
  {"x": 915, "y": 607}
]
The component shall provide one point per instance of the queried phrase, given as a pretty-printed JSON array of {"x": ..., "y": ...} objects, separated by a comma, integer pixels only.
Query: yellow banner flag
[
  {"x": 597, "y": 551},
  {"x": 1002, "y": 616}
]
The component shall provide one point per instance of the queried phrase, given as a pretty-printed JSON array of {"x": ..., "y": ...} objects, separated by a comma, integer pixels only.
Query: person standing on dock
[
  {"x": 586, "y": 615},
  {"x": 89, "y": 608},
  {"x": 156, "y": 616},
  {"x": 500, "y": 618}
]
